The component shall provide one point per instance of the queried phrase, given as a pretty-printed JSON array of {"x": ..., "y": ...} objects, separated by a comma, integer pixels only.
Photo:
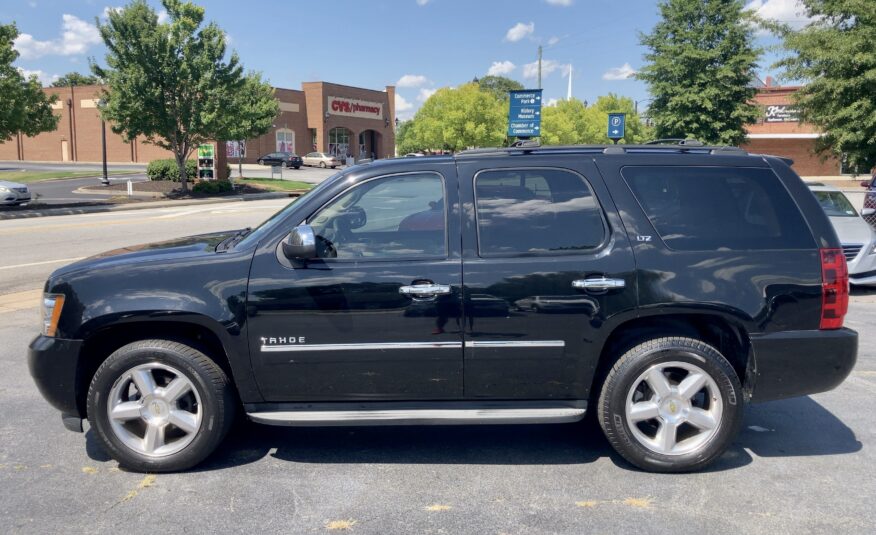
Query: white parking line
[{"x": 61, "y": 260}]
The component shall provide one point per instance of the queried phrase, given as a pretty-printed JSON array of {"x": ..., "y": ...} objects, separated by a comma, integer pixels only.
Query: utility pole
[{"x": 539, "y": 66}]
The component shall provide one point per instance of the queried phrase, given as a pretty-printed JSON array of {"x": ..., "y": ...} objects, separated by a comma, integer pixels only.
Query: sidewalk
[{"x": 140, "y": 205}]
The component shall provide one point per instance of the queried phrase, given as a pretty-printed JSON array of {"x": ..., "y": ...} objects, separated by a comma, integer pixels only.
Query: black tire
[
  {"x": 260, "y": 162},
  {"x": 297, "y": 167},
  {"x": 217, "y": 399},
  {"x": 284, "y": 165},
  {"x": 630, "y": 367},
  {"x": 322, "y": 164}
]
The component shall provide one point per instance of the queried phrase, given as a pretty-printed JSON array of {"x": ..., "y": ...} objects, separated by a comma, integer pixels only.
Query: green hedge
[
  {"x": 167, "y": 170},
  {"x": 212, "y": 186}
]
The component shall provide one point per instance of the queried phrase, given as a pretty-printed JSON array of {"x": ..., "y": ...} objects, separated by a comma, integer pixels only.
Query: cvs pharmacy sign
[{"x": 355, "y": 108}]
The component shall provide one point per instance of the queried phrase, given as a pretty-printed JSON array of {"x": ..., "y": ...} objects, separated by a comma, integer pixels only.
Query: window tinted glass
[
  {"x": 536, "y": 211},
  {"x": 709, "y": 208},
  {"x": 392, "y": 217},
  {"x": 835, "y": 204}
]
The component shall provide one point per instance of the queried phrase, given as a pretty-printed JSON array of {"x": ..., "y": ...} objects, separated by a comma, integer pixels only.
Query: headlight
[
  {"x": 3, "y": 189},
  {"x": 50, "y": 310},
  {"x": 873, "y": 250}
]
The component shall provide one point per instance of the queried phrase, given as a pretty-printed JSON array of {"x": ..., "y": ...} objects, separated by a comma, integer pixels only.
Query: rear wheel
[
  {"x": 671, "y": 405},
  {"x": 284, "y": 165},
  {"x": 160, "y": 406},
  {"x": 322, "y": 164}
]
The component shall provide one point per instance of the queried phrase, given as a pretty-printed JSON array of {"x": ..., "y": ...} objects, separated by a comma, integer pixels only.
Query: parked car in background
[
  {"x": 321, "y": 159},
  {"x": 414, "y": 155},
  {"x": 284, "y": 159},
  {"x": 857, "y": 238},
  {"x": 13, "y": 193}
]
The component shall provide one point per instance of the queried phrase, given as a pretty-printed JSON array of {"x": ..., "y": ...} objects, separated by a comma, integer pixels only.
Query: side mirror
[
  {"x": 868, "y": 211},
  {"x": 300, "y": 244}
]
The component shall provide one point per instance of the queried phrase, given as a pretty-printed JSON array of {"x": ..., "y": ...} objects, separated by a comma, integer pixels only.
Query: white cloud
[
  {"x": 108, "y": 9},
  {"x": 551, "y": 102},
  {"x": 404, "y": 110},
  {"x": 425, "y": 93},
  {"x": 501, "y": 68},
  {"x": 563, "y": 3},
  {"x": 412, "y": 80},
  {"x": 530, "y": 70},
  {"x": 790, "y": 12},
  {"x": 619, "y": 73},
  {"x": 422, "y": 2},
  {"x": 553, "y": 40},
  {"x": 163, "y": 16},
  {"x": 77, "y": 36},
  {"x": 519, "y": 31},
  {"x": 43, "y": 77}
]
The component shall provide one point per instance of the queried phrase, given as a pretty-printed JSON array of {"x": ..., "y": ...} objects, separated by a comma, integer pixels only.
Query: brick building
[
  {"x": 779, "y": 131},
  {"x": 320, "y": 117}
]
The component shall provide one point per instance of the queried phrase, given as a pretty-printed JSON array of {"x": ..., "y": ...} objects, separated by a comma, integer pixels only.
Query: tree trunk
[
  {"x": 239, "y": 159},
  {"x": 181, "y": 164}
]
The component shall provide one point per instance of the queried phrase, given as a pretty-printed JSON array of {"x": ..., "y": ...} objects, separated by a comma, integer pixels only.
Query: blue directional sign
[
  {"x": 524, "y": 115},
  {"x": 616, "y": 124}
]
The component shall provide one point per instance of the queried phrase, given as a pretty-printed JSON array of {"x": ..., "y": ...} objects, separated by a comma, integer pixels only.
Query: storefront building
[
  {"x": 321, "y": 117},
  {"x": 780, "y": 132}
]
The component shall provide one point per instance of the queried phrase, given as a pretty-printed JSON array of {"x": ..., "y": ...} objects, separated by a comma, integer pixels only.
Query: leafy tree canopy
[
  {"x": 499, "y": 86},
  {"x": 24, "y": 107},
  {"x": 75, "y": 78},
  {"x": 174, "y": 83},
  {"x": 835, "y": 57},
  {"x": 700, "y": 63},
  {"x": 458, "y": 118}
]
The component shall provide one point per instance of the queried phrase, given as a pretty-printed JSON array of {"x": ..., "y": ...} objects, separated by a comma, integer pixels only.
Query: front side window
[
  {"x": 395, "y": 217},
  {"x": 536, "y": 211},
  {"x": 718, "y": 208}
]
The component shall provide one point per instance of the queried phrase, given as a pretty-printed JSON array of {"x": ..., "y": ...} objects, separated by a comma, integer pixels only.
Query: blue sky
[{"x": 418, "y": 45}]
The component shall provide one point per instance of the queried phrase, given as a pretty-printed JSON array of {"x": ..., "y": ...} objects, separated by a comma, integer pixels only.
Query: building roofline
[{"x": 345, "y": 85}]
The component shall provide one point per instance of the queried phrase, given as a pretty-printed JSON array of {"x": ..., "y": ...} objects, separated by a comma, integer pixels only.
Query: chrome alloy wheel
[
  {"x": 674, "y": 408},
  {"x": 154, "y": 410}
]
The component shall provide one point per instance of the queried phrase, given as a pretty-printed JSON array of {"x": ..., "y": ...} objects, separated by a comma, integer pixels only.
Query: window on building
[
  {"x": 285, "y": 141},
  {"x": 718, "y": 208},
  {"x": 536, "y": 211},
  {"x": 391, "y": 218},
  {"x": 339, "y": 142}
]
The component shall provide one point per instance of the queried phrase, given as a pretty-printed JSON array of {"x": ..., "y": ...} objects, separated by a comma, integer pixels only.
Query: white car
[
  {"x": 857, "y": 237},
  {"x": 13, "y": 193},
  {"x": 321, "y": 159}
]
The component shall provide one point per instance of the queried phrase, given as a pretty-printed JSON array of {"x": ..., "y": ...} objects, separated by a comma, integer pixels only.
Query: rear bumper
[
  {"x": 798, "y": 363},
  {"x": 53, "y": 364}
]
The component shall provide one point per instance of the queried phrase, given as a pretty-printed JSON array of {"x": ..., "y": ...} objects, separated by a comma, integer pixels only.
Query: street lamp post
[
  {"x": 105, "y": 180},
  {"x": 644, "y": 100}
]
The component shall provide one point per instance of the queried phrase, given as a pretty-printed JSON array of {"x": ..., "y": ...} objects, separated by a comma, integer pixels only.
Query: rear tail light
[{"x": 834, "y": 288}]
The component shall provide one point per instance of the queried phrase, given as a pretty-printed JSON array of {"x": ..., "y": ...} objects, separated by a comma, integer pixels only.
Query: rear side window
[
  {"x": 718, "y": 208},
  {"x": 536, "y": 211}
]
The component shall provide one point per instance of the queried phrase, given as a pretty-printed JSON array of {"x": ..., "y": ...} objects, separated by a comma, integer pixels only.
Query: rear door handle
[
  {"x": 425, "y": 290},
  {"x": 598, "y": 284}
]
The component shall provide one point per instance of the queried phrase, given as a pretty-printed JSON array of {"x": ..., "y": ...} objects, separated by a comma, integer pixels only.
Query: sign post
[
  {"x": 616, "y": 125},
  {"x": 524, "y": 114},
  {"x": 206, "y": 161}
]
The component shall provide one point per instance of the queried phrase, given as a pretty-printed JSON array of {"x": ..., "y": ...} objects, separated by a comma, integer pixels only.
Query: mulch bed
[{"x": 171, "y": 189}]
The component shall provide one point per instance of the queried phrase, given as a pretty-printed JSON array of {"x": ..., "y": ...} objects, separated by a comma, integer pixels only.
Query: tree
[
  {"x": 499, "y": 86},
  {"x": 75, "y": 78},
  {"x": 455, "y": 119},
  {"x": 571, "y": 122},
  {"x": 404, "y": 139},
  {"x": 255, "y": 109},
  {"x": 170, "y": 82},
  {"x": 836, "y": 57},
  {"x": 24, "y": 107},
  {"x": 700, "y": 64}
]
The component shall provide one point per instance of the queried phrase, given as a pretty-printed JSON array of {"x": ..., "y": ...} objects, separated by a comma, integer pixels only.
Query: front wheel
[
  {"x": 284, "y": 165},
  {"x": 160, "y": 406},
  {"x": 671, "y": 405}
]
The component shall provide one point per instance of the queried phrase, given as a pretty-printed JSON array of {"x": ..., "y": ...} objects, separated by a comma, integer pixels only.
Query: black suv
[{"x": 660, "y": 287}]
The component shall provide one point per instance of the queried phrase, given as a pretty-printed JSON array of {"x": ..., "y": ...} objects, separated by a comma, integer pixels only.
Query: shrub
[
  {"x": 210, "y": 187},
  {"x": 167, "y": 170}
]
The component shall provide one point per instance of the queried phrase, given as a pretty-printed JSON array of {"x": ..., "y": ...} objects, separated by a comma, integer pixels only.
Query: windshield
[
  {"x": 256, "y": 235},
  {"x": 835, "y": 204}
]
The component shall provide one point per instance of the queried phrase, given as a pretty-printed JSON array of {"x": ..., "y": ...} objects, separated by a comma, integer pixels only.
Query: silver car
[
  {"x": 321, "y": 159},
  {"x": 13, "y": 193},
  {"x": 857, "y": 237}
]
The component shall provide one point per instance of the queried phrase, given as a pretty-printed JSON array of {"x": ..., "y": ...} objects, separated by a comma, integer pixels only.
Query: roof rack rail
[
  {"x": 689, "y": 142},
  {"x": 532, "y": 146}
]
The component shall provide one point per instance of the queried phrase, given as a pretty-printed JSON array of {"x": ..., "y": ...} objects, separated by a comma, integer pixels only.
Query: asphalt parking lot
[{"x": 804, "y": 465}]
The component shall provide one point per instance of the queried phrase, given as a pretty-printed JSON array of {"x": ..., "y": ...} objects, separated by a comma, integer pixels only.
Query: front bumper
[
  {"x": 14, "y": 197},
  {"x": 53, "y": 364},
  {"x": 797, "y": 363}
]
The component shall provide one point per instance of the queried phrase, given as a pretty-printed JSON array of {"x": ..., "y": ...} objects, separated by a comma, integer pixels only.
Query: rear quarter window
[{"x": 719, "y": 208}]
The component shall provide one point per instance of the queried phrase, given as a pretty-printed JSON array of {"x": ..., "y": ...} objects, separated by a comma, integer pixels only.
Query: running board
[{"x": 334, "y": 414}]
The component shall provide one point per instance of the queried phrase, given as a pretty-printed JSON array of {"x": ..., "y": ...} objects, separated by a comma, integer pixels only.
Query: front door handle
[
  {"x": 598, "y": 284},
  {"x": 429, "y": 289}
]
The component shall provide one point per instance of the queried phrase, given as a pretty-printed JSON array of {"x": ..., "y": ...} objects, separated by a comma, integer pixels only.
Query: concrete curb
[{"x": 74, "y": 210}]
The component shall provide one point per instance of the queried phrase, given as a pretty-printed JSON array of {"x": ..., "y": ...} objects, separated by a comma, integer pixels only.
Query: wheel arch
[{"x": 729, "y": 337}]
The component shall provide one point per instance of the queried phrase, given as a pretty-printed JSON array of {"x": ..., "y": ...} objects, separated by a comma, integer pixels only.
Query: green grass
[
  {"x": 26, "y": 177},
  {"x": 275, "y": 184}
]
